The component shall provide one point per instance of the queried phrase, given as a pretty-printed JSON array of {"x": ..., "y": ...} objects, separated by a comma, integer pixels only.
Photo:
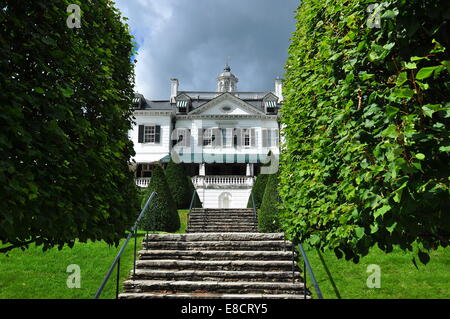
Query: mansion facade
[{"x": 224, "y": 138}]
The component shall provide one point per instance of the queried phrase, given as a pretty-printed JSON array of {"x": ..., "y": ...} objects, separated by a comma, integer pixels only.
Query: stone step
[
  {"x": 265, "y": 245},
  {"x": 231, "y": 215},
  {"x": 251, "y": 236},
  {"x": 215, "y": 255},
  {"x": 147, "y": 295},
  {"x": 222, "y": 210},
  {"x": 226, "y": 227},
  {"x": 238, "y": 265},
  {"x": 213, "y": 230},
  {"x": 223, "y": 221},
  {"x": 241, "y": 287},
  {"x": 217, "y": 275}
]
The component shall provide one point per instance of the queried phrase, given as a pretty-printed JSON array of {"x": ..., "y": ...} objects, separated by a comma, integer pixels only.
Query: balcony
[
  {"x": 142, "y": 181},
  {"x": 223, "y": 181}
]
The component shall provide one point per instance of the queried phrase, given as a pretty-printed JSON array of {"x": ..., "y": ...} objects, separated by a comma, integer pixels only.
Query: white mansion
[{"x": 223, "y": 138}]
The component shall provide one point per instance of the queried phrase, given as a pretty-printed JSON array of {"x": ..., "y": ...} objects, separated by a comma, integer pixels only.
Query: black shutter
[
  {"x": 200, "y": 136},
  {"x": 264, "y": 137},
  {"x": 157, "y": 134},
  {"x": 252, "y": 137},
  {"x": 224, "y": 137},
  {"x": 141, "y": 134}
]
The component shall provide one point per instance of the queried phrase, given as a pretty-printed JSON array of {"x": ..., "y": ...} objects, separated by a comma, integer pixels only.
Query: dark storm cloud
[{"x": 191, "y": 40}]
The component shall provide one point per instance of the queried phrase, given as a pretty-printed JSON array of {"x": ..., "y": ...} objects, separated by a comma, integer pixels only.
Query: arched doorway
[{"x": 225, "y": 200}]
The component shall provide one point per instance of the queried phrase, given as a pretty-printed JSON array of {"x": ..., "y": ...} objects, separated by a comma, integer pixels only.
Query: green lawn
[
  {"x": 36, "y": 274},
  {"x": 400, "y": 279}
]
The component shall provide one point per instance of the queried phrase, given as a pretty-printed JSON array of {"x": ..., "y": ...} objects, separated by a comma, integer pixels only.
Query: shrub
[
  {"x": 258, "y": 191},
  {"x": 162, "y": 214},
  {"x": 178, "y": 184},
  {"x": 366, "y": 122},
  {"x": 268, "y": 219}
]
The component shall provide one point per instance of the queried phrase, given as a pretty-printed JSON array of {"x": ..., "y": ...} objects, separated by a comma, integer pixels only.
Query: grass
[
  {"x": 34, "y": 274},
  {"x": 400, "y": 279}
]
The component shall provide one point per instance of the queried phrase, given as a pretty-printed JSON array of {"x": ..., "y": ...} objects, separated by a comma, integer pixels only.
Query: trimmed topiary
[
  {"x": 162, "y": 214},
  {"x": 258, "y": 191},
  {"x": 268, "y": 220},
  {"x": 178, "y": 184}
]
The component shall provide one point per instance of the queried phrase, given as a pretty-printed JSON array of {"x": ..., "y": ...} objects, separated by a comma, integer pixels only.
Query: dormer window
[
  {"x": 182, "y": 106},
  {"x": 183, "y": 103},
  {"x": 138, "y": 101},
  {"x": 270, "y": 106}
]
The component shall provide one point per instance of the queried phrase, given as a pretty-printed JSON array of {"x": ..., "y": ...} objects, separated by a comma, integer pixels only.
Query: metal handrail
[
  {"x": 307, "y": 265},
  {"x": 254, "y": 207},
  {"x": 117, "y": 259}
]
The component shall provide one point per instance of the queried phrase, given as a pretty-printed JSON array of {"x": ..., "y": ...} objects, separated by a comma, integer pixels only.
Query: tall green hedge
[
  {"x": 258, "y": 191},
  {"x": 162, "y": 214},
  {"x": 178, "y": 184},
  {"x": 268, "y": 214},
  {"x": 65, "y": 111},
  {"x": 366, "y": 117}
]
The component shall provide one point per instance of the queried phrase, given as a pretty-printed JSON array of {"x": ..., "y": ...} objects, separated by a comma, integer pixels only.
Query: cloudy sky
[{"x": 191, "y": 40}]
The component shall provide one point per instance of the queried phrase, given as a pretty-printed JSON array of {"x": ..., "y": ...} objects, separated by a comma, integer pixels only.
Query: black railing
[
  {"x": 116, "y": 261},
  {"x": 307, "y": 266},
  {"x": 254, "y": 207}
]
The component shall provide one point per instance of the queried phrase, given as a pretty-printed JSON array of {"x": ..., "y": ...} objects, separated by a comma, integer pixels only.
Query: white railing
[
  {"x": 222, "y": 180},
  {"x": 142, "y": 181}
]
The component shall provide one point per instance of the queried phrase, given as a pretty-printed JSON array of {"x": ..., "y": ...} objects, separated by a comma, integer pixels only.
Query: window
[
  {"x": 270, "y": 106},
  {"x": 246, "y": 137},
  {"x": 182, "y": 106},
  {"x": 149, "y": 134},
  {"x": 208, "y": 137}
]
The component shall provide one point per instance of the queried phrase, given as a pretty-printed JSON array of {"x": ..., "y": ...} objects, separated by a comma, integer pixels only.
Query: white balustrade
[
  {"x": 142, "y": 181},
  {"x": 222, "y": 180}
]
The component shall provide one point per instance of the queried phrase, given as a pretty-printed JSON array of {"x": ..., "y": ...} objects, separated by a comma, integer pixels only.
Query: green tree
[
  {"x": 178, "y": 184},
  {"x": 162, "y": 214},
  {"x": 66, "y": 108},
  {"x": 366, "y": 117},
  {"x": 258, "y": 191},
  {"x": 268, "y": 215}
]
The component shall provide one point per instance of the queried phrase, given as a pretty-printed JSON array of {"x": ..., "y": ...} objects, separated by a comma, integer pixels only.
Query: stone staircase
[
  {"x": 218, "y": 265},
  {"x": 222, "y": 220}
]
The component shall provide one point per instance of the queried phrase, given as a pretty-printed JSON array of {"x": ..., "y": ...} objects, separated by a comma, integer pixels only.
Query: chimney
[
  {"x": 279, "y": 89},
  {"x": 173, "y": 89}
]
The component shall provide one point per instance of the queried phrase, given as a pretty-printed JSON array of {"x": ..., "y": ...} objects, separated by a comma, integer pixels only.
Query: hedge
[
  {"x": 268, "y": 214},
  {"x": 366, "y": 126},
  {"x": 178, "y": 184},
  {"x": 258, "y": 191},
  {"x": 162, "y": 214}
]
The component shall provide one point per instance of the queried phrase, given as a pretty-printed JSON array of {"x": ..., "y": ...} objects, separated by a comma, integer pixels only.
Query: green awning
[{"x": 219, "y": 158}]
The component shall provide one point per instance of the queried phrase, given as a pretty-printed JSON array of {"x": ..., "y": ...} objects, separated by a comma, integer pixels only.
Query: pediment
[{"x": 226, "y": 104}]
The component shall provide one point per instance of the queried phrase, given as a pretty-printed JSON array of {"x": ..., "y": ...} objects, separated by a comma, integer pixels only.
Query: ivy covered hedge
[
  {"x": 366, "y": 116},
  {"x": 162, "y": 214},
  {"x": 65, "y": 111}
]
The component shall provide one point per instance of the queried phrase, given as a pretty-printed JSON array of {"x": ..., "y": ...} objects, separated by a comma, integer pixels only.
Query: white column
[
  {"x": 202, "y": 169},
  {"x": 248, "y": 171}
]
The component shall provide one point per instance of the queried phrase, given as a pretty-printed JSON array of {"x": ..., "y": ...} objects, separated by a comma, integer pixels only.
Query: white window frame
[
  {"x": 246, "y": 133},
  {"x": 149, "y": 137}
]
